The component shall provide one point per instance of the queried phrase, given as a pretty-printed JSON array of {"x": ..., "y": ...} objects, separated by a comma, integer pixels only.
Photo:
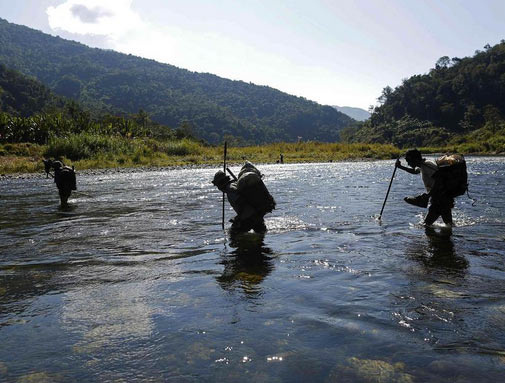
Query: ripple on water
[{"x": 139, "y": 269}]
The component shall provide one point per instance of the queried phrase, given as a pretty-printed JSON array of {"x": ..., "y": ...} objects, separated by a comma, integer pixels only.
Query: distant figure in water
[
  {"x": 281, "y": 158},
  {"x": 443, "y": 180},
  {"x": 64, "y": 177},
  {"x": 248, "y": 196}
]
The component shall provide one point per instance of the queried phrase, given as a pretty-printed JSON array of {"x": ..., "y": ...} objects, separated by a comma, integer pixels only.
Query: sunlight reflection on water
[{"x": 138, "y": 282}]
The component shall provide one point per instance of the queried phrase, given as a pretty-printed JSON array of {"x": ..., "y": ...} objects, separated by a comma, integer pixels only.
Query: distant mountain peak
[{"x": 353, "y": 112}]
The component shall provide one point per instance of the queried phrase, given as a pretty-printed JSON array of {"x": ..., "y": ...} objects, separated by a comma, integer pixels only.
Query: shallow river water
[{"x": 137, "y": 282}]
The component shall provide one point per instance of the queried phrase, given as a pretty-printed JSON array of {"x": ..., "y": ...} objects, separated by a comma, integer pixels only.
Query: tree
[
  {"x": 443, "y": 62},
  {"x": 68, "y": 86},
  {"x": 386, "y": 93}
]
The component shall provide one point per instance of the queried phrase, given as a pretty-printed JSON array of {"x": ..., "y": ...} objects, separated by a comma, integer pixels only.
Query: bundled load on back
[
  {"x": 444, "y": 179},
  {"x": 452, "y": 174},
  {"x": 64, "y": 178},
  {"x": 250, "y": 185}
]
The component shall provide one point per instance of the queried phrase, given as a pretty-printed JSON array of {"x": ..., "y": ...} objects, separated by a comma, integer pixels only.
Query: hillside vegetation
[
  {"x": 212, "y": 107},
  {"x": 40, "y": 125},
  {"x": 459, "y": 101},
  {"x": 35, "y": 123},
  {"x": 22, "y": 96}
]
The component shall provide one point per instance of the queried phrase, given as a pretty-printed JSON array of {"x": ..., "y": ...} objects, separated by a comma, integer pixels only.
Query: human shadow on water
[
  {"x": 67, "y": 211},
  {"x": 247, "y": 265},
  {"x": 439, "y": 251},
  {"x": 67, "y": 208}
]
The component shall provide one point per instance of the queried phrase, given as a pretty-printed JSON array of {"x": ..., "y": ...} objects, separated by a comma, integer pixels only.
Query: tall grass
[
  {"x": 182, "y": 147},
  {"x": 87, "y": 150},
  {"x": 313, "y": 152},
  {"x": 87, "y": 145}
]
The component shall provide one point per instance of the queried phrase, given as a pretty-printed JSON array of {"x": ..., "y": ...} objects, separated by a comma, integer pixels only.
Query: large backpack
[
  {"x": 251, "y": 187},
  {"x": 65, "y": 178},
  {"x": 452, "y": 173}
]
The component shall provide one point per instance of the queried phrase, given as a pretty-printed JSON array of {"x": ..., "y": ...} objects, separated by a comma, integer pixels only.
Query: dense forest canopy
[
  {"x": 30, "y": 112},
  {"x": 457, "y": 97},
  {"x": 212, "y": 107},
  {"x": 22, "y": 96}
]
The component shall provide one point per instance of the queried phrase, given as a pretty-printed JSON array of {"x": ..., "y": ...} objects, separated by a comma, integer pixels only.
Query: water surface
[{"x": 137, "y": 282}]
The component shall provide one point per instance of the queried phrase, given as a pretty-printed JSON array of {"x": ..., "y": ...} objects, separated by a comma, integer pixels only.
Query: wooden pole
[
  {"x": 387, "y": 194},
  {"x": 224, "y": 170},
  {"x": 231, "y": 174}
]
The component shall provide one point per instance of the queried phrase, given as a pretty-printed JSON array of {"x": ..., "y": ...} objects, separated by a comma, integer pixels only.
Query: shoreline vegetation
[{"x": 87, "y": 152}]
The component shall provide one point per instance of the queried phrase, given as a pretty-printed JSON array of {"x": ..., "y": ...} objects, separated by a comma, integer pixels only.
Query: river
[{"x": 137, "y": 282}]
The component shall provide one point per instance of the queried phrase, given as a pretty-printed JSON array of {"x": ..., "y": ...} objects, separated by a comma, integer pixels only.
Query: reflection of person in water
[
  {"x": 440, "y": 252},
  {"x": 247, "y": 265}
]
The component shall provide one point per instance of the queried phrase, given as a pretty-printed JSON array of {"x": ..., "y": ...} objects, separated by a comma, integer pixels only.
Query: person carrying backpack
[
  {"x": 64, "y": 178},
  {"x": 444, "y": 180},
  {"x": 248, "y": 196}
]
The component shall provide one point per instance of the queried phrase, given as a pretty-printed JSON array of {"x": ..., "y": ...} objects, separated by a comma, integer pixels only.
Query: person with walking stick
[
  {"x": 248, "y": 196},
  {"x": 443, "y": 180}
]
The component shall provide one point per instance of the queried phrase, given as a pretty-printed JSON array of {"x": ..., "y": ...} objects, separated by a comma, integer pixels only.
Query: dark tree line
[
  {"x": 30, "y": 112},
  {"x": 455, "y": 98}
]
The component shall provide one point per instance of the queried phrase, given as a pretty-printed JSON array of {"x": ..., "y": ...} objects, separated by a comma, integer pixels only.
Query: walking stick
[
  {"x": 387, "y": 194},
  {"x": 224, "y": 170}
]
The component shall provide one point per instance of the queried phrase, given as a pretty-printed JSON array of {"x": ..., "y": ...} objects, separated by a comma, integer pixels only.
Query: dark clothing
[
  {"x": 64, "y": 177},
  {"x": 255, "y": 223},
  {"x": 247, "y": 217},
  {"x": 440, "y": 205},
  {"x": 249, "y": 198},
  {"x": 440, "y": 202}
]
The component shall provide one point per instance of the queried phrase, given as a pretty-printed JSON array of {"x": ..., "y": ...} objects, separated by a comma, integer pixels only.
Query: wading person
[
  {"x": 248, "y": 196},
  {"x": 64, "y": 178},
  {"x": 444, "y": 180}
]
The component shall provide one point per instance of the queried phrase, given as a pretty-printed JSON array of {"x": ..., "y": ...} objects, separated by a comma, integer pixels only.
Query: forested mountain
[
  {"x": 357, "y": 113},
  {"x": 456, "y": 97},
  {"x": 107, "y": 81},
  {"x": 31, "y": 112},
  {"x": 21, "y": 96}
]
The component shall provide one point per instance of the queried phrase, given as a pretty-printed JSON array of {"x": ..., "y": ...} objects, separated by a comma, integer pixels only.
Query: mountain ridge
[{"x": 214, "y": 107}]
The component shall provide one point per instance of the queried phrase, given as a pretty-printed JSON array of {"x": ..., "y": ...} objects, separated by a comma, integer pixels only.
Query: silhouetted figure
[
  {"x": 441, "y": 181},
  {"x": 281, "y": 158},
  {"x": 64, "y": 177},
  {"x": 248, "y": 196}
]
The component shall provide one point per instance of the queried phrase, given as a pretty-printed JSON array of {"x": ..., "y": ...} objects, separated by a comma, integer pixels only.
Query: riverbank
[
  {"x": 21, "y": 160},
  {"x": 27, "y": 158}
]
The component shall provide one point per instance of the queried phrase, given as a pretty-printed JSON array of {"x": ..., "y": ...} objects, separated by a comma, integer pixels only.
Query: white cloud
[{"x": 112, "y": 18}]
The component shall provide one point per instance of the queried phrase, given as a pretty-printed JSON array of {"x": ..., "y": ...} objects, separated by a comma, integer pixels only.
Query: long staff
[
  {"x": 224, "y": 170},
  {"x": 387, "y": 194}
]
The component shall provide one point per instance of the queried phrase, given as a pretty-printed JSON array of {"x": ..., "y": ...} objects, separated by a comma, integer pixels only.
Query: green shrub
[{"x": 86, "y": 145}]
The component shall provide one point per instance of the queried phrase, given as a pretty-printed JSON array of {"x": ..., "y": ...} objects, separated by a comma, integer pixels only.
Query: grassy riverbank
[{"x": 86, "y": 151}]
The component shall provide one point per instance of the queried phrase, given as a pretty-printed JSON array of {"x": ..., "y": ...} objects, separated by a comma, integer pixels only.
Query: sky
[{"x": 340, "y": 52}]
